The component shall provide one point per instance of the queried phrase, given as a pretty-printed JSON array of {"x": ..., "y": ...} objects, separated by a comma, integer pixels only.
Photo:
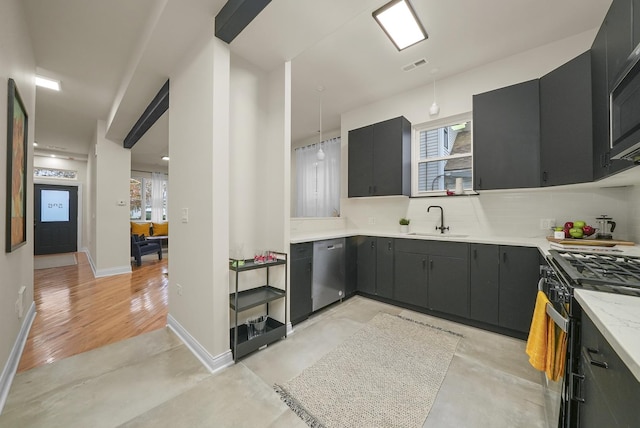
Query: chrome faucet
[{"x": 441, "y": 228}]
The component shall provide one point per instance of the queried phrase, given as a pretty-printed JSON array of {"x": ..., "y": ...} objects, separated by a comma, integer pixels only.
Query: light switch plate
[{"x": 185, "y": 215}]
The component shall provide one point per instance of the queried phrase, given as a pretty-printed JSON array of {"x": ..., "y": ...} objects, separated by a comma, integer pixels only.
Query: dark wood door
[
  {"x": 519, "y": 272},
  {"x": 506, "y": 137},
  {"x": 566, "y": 152},
  {"x": 484, "y": 284},
  {"x": 360, "y": 172},
  {"x": 384, "y": 268},
  {"x": 55, "y": 219}
]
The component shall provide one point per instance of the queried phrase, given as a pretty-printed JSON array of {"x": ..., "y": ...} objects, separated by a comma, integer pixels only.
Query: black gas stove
[{"x": 607, "y": 272}]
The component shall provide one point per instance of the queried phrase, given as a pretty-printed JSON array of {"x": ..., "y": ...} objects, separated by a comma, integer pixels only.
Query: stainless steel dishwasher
[{"x": 328, "y": 279}]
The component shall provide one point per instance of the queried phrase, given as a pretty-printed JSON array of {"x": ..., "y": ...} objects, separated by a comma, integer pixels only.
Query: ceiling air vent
[{"x": 415, "y": 64}]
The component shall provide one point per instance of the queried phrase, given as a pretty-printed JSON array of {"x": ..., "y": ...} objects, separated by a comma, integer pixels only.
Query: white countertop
[
  {"x": 616, "y": 316},
  {"x": 541, "y": 243},
  {"x": 618, "y": 319}
]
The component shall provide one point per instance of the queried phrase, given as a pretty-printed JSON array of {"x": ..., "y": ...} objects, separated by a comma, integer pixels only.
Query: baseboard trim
[
  {"x": 213, "y": 364},
  {"x": 105, "y": 272},
  {"x": 10, "y": 368}
]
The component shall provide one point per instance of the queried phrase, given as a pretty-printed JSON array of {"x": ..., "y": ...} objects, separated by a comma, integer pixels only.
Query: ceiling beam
[
  {"x": 235, "y": 15},
  {"x": 152, "y": 113}
]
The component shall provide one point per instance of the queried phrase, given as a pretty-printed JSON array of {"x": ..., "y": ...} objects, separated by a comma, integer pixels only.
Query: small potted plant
[{"x": 404, "y": 225}]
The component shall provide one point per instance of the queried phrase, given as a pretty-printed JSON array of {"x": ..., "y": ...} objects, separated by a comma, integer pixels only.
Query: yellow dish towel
[{"x": 538, "y": 341}]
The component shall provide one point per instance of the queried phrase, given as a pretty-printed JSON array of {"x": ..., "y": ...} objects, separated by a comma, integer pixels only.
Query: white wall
[
  {"x": 81, "y": 182},
  {"x": 504, "y": 213},
  {"x": 112, "y": 170},
  {"x": 16, "y": 268},
  {"x": 199, "y": 171}
]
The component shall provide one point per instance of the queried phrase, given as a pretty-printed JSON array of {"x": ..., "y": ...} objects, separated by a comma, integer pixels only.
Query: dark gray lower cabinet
[
  {"x": 411, "y": 279},
  {"x": 384, "y": 268},
  {"x": 367, "y": 264},
  {"x": 351, "y": 266},
  {"x": 519, "y": 272},
  {"x": 484, "y": 283},
  {"x": 300, "y": 289},
  {"x": 375, "y": 266},
  {"x": 449, "y": 278},
  {"x": 432, "y": 275},
  {"x": 609, "y": 389}
]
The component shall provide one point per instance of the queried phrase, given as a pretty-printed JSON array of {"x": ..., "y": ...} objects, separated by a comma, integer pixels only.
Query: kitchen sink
[{"x": 437, "y": 235}]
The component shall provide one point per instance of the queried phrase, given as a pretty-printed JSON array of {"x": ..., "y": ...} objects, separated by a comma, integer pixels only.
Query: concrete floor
[{"x": 154, "y": 381}]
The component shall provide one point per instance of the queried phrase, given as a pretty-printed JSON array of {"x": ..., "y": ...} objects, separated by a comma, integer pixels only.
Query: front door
[{"x": 55, "y": 219}]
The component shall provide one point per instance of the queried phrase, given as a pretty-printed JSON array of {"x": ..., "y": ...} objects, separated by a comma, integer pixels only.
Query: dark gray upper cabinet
[
  {"x": 600, "y": 104},
  {"x": 635, "y": 30},
  {"x": 360, "y": 173},
  {"x": 506, "y": 137},
  {"x": 300, "y": 304},
  {"x": 519, "y": 271},
  {"x": 484, "y": 283},
  {"x": 606, "y": 58},
  {"x": 618, "y": 23},
  {"x": 566, "y": 137},
  {"x": 380, "y": 159}
]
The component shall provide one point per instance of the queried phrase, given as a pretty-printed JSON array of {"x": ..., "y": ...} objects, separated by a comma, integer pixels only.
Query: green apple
[
  {"x": 576, "y": 232},
  {"x": 579, "y": 224}
]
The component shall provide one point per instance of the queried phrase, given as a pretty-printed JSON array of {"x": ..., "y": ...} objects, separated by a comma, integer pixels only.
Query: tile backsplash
[{"x": 501, "y": 213}]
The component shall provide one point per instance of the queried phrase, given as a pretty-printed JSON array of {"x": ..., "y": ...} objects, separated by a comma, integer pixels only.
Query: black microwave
[{"x": 624, "y": 111}]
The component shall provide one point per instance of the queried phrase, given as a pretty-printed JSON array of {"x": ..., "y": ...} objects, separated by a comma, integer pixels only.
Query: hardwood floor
[{"x": 77, "y": 312}]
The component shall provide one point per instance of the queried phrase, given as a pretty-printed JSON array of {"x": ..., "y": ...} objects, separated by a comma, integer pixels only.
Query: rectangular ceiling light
[
  {"x": 400, "y": 23},
  {"x": 48, "y": 83}
]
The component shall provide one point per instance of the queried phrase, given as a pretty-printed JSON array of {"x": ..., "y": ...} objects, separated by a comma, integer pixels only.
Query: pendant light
[
  {"x": 320, "y": 155},
  {"x": 435, "y": 108}
]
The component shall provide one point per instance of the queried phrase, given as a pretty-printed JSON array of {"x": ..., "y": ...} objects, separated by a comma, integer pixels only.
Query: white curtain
[
  {"x": 318, "y": 181},
  {"x": 157, "y": 182}
]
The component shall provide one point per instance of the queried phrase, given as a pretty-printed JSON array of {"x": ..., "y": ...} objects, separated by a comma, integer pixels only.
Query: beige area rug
[
  {"x": 54, "y": 260},
  {"x": 386, "y": 375}
]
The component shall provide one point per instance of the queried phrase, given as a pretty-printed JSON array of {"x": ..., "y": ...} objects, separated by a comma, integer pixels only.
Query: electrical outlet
[
  {"x": 547, "y": 223},
  {"x": 179, "y": 289},
  {"x": 372, "y": 220}
]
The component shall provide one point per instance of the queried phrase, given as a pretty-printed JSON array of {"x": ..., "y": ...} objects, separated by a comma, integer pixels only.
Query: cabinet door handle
[
  {"x": 370, "y": 190},
  {"x": 373, "y": 244},
  {"x": 594, "y": 362},
  {"x": 310, "y": 266},
  {"x": 424, "y": 264},
  {"x": 504, "y": 256},
  {"x": 475, "y": 253},
  {"x": 573, "y": 388},
  {"x": 544, "y": 176},
  {"x": 480, "y": 183},
  {"x": 431, "y": 264},
  {"x": 389, "y": 246}
]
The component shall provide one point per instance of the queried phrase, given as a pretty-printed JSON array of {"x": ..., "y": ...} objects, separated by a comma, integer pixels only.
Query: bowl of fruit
[{"x": 576, "y": 229}]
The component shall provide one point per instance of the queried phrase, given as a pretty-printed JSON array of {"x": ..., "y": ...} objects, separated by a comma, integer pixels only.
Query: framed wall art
[{"x": 17, "y": 125}]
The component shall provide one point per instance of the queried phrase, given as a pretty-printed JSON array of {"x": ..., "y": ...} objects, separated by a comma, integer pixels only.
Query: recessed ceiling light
[
  {"x": 45, "y": 82},
  {"x": 165, "y": 158},
  {"x": 400, "y": 23},
  {"x": 53, "y": 156},
  {"x": 35, "y": 144}
]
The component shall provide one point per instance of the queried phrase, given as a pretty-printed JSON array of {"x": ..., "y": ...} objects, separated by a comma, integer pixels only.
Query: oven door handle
[{"x": 573, "y": 387}]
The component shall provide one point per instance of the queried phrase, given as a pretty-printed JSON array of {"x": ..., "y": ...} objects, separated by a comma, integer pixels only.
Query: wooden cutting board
[{"x": 592, "y": 242}]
